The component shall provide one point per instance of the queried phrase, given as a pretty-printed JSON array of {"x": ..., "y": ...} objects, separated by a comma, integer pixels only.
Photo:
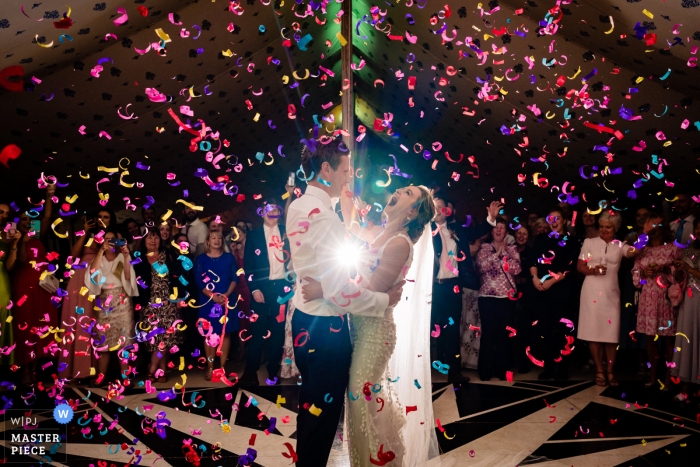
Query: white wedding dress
[{"x": 376, "y": 419}]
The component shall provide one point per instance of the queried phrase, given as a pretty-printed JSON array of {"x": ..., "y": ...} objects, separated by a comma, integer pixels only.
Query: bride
[{"x": 391, "y": 355}]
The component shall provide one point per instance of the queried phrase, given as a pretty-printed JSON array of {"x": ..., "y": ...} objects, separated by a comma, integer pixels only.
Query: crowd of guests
[
  {"x": 140, "y": 293},
  {"x": 508, "y": 292},
  {"x": 535, "y": 289}
]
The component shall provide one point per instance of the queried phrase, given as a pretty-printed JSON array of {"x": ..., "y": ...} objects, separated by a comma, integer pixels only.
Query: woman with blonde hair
[{"x": 215, "y": 275}]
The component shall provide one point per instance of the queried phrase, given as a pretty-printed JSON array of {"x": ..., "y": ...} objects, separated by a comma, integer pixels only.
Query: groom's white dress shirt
[{"x": 316, "y": 234}]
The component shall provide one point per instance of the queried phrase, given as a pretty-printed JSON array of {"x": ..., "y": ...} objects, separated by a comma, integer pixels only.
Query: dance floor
[{"x": 526, "y": 422}]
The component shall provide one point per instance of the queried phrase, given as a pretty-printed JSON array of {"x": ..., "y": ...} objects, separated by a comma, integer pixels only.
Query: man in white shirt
[
  {"x": 682, "y": 227},
  {"x": 195, "y": 229},
  {"x": 322, "y": 347},
  {"x": 266, "y": 255},
  {"x": 451, "y": 242}
]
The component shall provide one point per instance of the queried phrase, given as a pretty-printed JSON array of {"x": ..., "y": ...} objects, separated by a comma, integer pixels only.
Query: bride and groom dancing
[{"x": 385, "y": 367}]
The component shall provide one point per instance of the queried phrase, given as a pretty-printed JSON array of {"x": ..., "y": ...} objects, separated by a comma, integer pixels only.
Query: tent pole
[{"x": 348, "y": 101}]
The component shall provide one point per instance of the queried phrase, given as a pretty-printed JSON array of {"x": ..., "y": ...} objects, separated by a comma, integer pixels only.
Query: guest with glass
[
  {"x": 111, "y": 278},
  {"x": 599, "y": 316},
  {"x": 215, "y": 274},
  {"x": 497, "y": 263},
  {"x": 156, "y": 310},
  {"x": 655, "y": 315}
]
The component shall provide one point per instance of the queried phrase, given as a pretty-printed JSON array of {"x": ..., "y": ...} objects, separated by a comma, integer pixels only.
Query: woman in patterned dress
[
  {"x": 77, "y": 312},
  {"x": 497, "y": 263},
  {"x": 111, "y": 278},
  {"x": 156, "y": 310},
  {"x": 655, "y": 314}
]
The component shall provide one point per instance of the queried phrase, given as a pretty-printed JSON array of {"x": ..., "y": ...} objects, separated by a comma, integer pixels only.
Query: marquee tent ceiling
[{"x": 652, "y": 86}]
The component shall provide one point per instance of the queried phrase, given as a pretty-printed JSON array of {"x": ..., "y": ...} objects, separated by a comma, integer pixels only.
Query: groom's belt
[{"x": 450, "y": 280}]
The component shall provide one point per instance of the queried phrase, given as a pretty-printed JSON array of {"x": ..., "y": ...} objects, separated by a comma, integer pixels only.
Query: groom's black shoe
[
  {"x": 249, "y": 380},
  {"x": 457, "y": 378}
]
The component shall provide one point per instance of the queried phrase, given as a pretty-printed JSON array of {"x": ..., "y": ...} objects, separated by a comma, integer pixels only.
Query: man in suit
[
  {"x": 266, "y": 255},
  {"x": 451, "y": 242}
]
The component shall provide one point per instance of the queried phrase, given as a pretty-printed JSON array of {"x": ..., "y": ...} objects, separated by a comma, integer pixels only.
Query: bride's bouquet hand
[{"x": 312, "y": 290}]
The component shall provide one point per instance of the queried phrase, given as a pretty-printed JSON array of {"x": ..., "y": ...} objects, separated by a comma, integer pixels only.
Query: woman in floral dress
[{"x": 655, "y": 314}]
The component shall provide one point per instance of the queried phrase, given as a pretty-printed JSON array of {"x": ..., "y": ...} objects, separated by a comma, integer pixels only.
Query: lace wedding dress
[
  {"x": 395, "y": 343},
  {"x": 374, "y": 418}
]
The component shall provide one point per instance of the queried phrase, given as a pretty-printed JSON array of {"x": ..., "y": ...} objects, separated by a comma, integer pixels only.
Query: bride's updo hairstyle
[{"x": 426, "y": 213}]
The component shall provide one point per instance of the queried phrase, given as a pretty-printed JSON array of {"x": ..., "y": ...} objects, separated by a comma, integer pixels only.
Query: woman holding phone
[
  {"x": 76, "y": 359},
  {"x": 33, "y": 303},
  {"x": 111, "y": 278}
]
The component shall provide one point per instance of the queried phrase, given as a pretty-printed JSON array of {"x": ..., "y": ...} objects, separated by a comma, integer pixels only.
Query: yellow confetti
[
  {"x": 190, "y": 205},
  {"x": 445, "y": 433},
  {"x": 9, "y": 319},
  {"x": 280, "y": 400},
  {"x": 612, "y": 26},
  {"x": 644, "y": 442},
  {"x": 315, "y": 410},
  {"x": 53, "y": 227},
  {"x": 48, "y": 46},
  {"x": 648, "y": 13},
  {"x": 257, "y": 117},
  {"x": 83, "y": 291},
  {"x": 285, "y": 79},
  {"x": 227, "y": 53},
  {"x": 639, "y": 80},
  {"x": 342, "y": 40},
  {"x": 182, "y": 363},
  {"x": 92, "y": 371},
  {"x": 503, "y": 91},
  {"x": 184, "y": 378},
  {"x": 285, "y": 196},
  {"x": 162, "y": 35},
  {"x": 102, "y": 168},
  {"x": 297, "y": 77},
  {"x": 84, "y": 176}
]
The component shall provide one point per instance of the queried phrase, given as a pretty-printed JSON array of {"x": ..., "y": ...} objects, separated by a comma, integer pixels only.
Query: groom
[{"x": 322, "y": 347}]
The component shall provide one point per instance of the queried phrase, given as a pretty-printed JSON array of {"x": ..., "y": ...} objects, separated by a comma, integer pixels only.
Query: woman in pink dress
[
  {"x": 32, "y": 309},
  {"x": 655, "y": 314},
  {"x": 78, "y": 314}
]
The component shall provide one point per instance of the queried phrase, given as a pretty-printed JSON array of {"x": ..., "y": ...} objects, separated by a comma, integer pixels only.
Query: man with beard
[
  {"x": 195, "y": 229},
  {"x": 150, "y": 219}
]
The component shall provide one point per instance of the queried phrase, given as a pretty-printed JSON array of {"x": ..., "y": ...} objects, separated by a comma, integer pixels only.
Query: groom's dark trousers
[{"x": 323, "y": 358}]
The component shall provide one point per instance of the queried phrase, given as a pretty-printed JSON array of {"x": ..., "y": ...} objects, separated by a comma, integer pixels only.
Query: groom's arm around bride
[{"x": 322, "y": 347}]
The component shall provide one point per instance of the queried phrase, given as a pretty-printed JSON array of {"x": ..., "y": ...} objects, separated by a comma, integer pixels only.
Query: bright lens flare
[{"x": 348, "y": 254}]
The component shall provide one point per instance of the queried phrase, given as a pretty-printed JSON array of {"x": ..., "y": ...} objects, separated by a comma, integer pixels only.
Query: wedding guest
[
  {"x": 588, "y": 226},
  {"x": 165, "y": 232},
  {"x": 681, "y": 221},
  {"x": 630, "y": 300},
  {"x": 32, "y": 302},
  {"x": 497, "y": 263},
  {"x": 216, "y": 298},
  {"x": 266, "y": 252},
  {"x": 111, "y": 278},
  {"x": 155, "y": 308},
  {"x": 150, "y": 219},
  {"x": 186, "y": 282},
  {"x": 214, "y": 224},
  {"x": 565, "y": 208},
  {"x": 539, "y": 227},
  {"x": 640, "y": 218},
  {"x": 238, "y": 249},
  {"x": 7, "y": 239},
  {"x": 195, "y": 230},
  {"x": 131, "y": 231},
  {"x": 655, "y": 315},
  {"x": 76, "y": 358},
  {"x": 470, "y": 327},
  {"x": 554, "y": 293},
  {"x": 524, "y": 305},
  {"x": 599, "y": 317},
  {"x": 531, "y": 219},
  {"x": 449, "y": 273},
  {"x": 687, "y": 358}
]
